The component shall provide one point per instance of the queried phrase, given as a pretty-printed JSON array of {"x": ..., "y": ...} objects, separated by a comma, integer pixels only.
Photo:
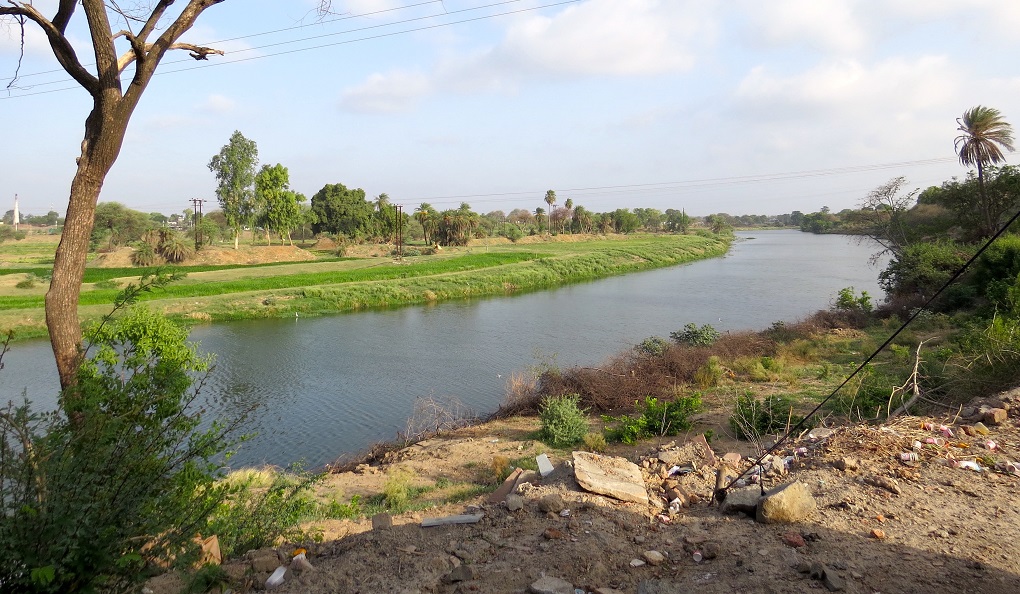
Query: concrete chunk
[
  {"x": 609, "y": 475},
  {"x": 545, "y": 467},
  {"x": 792, "y": 502}
]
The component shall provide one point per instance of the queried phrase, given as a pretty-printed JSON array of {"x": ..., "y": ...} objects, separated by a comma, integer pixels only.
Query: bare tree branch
[{"x": 54, "y": 30}]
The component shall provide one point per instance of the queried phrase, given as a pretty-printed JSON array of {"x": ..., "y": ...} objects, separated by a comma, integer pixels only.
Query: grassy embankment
[{"x": 214, "y": 293}]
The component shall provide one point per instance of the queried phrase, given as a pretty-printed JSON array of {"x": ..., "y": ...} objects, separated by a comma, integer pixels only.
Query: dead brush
[{"x": 431, "y": 416}]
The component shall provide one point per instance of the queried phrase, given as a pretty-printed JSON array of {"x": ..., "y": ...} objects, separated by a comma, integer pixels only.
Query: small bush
[
  {"x": 847, "y": 300},
  {"x": 397, "y": 490},
  {"x": 653, "y": 346},
  {"x": 692, "y": 335},
  {"x": 563, "y": 421},
  {"x": 26, "y": 283},
  {"x": 595, "y": 442},
  {"x": 107, "y": 284},
  {"x": 709, "y": 374},
  {"x": 753, "y": 417},
  {"x": 500, "y": 468},
  {"x": 657, "y": 418},
  {"x": 145, "y": 255}
]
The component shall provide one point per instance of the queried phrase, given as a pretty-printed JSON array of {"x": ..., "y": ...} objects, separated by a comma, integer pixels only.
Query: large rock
[
  {"x": 792, "y": 502},
  {"x": 609, "y": 475},
  {"x": 744, "y": 500}
]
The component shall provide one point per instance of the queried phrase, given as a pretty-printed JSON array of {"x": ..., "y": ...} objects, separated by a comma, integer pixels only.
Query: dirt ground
[
  {"x": 882, "y": 524},
  {"x": 215, "y": 255}
]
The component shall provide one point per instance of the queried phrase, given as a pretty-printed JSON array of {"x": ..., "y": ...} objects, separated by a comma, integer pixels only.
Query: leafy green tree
[
  {"x": 427, "y": 216},
  {"x": 539, "y": 217},
  {"x": 582, "y": 220},
  {"x": 651, "y": 218},
  {"x": 118, "y": 224},
  {"x": 234, "y": 168},
  {"x": 625, "y": 221},
  {"x": 123, "y": 474},
  {"x": 677, "y": 221},
  {"x": 282, "y": 206},
  {"x": 342, "y": 211},
  {"x": 967, "y": 206},
  {"x": 455, "y": 227},
  {"x": 983, "y": 132}
]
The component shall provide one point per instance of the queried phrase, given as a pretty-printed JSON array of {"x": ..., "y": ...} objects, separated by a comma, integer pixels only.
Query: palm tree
[
  {"x": 539, "y": 213},
  {"x": 569, "y": 205},
  {"x": 426, "y": 215},
  {"x": 984, "y": 130},
  {"x": 550, "y": 199}
]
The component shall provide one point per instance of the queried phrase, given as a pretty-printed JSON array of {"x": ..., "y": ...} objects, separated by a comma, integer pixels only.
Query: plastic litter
[
  {"x": 909, "y": 456},
  {"x": 980, "y": 428},
  {"x": 918, "y": 445},
  {"x": 276, "y": 579},
  {"x": 697, "y": 556},
  {"x": 937, "y": 441},
  {"x": 565, "y": 513},
  {"x": 969, "y": 465},
  {"x": 946, "y": 431},
  {"x": 990, "y": 445},
  {"x": 300, "y": 562}
]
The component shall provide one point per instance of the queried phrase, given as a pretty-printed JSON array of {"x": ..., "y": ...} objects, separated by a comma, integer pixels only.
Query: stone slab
[
  {"x": 545, "y": 467},
  {"x": 609, "y": 475}
]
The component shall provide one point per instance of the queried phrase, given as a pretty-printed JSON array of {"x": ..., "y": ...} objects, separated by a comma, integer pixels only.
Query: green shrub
[
  {"x": 657, "y": 418},
  {"x": 254, "y": 516},
  {"x": 124, "y": 472},
  {"x": 563, "y": 421},
  {"x": 753, "y": 417},
  {"x": 847, "y": 300},
  {"x": 691, "y": 335},
  {"x": 595, "y": 442},
  {"x": 27, "y": 283},
  {"x": 145, "y": 255},
  {"x": 397, "y": 490},
  {"x": 107, "y": 284},
  {"x": 652, "y": 346},
  {"x": 709, "y": 374}
]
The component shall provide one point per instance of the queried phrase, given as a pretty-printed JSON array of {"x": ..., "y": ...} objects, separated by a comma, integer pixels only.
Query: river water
[{"x": 331, "y": 385}]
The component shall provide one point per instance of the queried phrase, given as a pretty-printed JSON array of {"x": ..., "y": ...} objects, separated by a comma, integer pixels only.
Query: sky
[{"x": 736, "y": 106}]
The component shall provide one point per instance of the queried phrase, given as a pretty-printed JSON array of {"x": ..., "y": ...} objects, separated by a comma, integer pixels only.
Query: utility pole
[
  {"x": 196, "y": 203},
  {"x": 400, "y": 231}
]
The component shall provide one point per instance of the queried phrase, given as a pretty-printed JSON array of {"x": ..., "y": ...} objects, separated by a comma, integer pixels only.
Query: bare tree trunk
[{"x": 104, "y": 136}]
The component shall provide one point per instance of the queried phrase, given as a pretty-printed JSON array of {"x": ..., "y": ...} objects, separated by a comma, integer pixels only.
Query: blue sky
[{"x": 737, "y": 106}]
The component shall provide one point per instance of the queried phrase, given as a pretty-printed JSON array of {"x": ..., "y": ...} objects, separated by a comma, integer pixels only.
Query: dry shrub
[
  {"x": 522, "y": 397},
  {"x": 432, "y": 416}
]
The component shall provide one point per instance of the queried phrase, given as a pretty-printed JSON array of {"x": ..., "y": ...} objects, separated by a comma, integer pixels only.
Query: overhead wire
[{"x": 165, "y": 71}]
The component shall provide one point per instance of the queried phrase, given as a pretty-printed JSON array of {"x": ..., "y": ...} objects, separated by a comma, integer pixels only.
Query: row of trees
[{"x": 259, "y": 198}]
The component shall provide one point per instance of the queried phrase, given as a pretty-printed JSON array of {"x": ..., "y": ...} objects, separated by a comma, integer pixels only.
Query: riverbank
[{"x": 484, "y": 268}]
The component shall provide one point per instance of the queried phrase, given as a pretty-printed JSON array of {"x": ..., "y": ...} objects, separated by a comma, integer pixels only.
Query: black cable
[{"x": 871, "y": 357}]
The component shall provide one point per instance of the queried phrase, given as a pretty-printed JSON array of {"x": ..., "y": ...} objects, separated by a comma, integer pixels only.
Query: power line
[{"x": 164, "y": 71}]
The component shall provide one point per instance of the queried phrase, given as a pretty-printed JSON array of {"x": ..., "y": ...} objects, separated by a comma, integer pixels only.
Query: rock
[
  {"x": 264, "y": 560},
  {"x": 514, "y": 502},
  {"x": 637, "y": 562},
  {"x": 787, "y": 503},
  {"x": 885, "y": 483},
  {"x": 552, "y": 534},
  {"x": 710, "y": 550},
  {"x": 743, "y": 500},
  {"x": 551, "y": 503},
  {"x": 463, "y": 573},
  {"x": 833, "y": 583},
  {"x": 732, "y": 459},
  {"x": 507, "y": 487},
  {"x": 817, "y": 571},
  {"x": 677, "y": 493},
  {"x": 793, "y": 539},
  {"x": 707, "y": 455},
  {"x": 995, "y": 416},
  {"x": 847, "y": 464},
  {"x": 653, "y": 557},
  {"x": 878, "y": 533},
  {"x": 382, "y": 521},
  {"x": 609, "y": 475},
  {"x": 820, "y": 433},
  {"x": 608, "y": 591},
  {"x": 551, "y": 585}
]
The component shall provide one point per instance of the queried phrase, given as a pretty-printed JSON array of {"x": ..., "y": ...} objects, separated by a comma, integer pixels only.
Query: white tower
[{"x": 17, "y": 215}]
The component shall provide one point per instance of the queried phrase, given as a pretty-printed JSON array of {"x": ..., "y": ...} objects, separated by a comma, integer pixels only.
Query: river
[{"x": 331, "y": 385}]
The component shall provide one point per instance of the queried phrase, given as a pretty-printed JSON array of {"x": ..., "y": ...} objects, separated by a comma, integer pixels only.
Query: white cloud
[
  {"x": 386, "y": 93},
  {"x": 831, "y": 26},
  {"x": 218, "y": 104},
  {"x": 615, "y": 38}
]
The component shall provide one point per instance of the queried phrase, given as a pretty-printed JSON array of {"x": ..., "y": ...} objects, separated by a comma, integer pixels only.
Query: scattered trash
[
  {"x": 946, "y": 431},
  {"x": 970, "y": 465},
  {"x": 462, "y": 519},
  {"x": 697, "y": 556},
  {"x": 918, "y": 445},
  {"x": 800, "y": 451},
  {"x": 300, "y": 562},
  {"x": 990, "y": 444},
  {"x": 909, "y": 457},
  {"x": 980, "y": 428},
  {"x": 565, "y": 513},
  {"x": 276, "y": 579},
  {"x": 937, "y": 441}
]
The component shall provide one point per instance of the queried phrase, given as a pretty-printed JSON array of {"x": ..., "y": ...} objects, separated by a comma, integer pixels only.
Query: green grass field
[{"x": 329, "y": 284}]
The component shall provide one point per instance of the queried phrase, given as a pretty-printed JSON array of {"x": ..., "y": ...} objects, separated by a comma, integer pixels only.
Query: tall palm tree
[
  {"x": 425, "y": 214},
  {"x": 550, "y": 199},
  {"x": 539, "y": 213},
  {"x": 984, "y": 130}
]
